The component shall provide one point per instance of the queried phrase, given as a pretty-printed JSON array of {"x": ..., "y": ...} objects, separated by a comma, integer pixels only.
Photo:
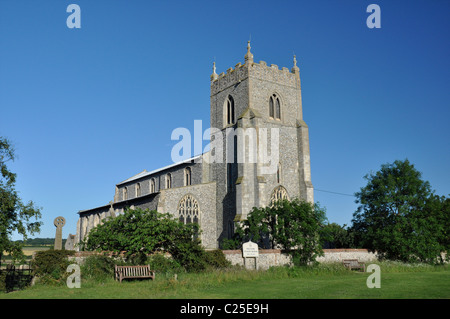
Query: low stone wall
[
  {"x": 80, "y": 256},
  {"x": 337, "y": 255},
  {"x": 275, "y": 257},
  {"x": 268, "y": 257}
]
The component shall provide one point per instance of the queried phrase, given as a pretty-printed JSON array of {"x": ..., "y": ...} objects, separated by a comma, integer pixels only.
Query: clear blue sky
[{"x": 88, "y": 108}]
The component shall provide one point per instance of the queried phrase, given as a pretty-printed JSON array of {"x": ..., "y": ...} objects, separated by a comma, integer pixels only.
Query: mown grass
[{"x": 331, "y": 281}]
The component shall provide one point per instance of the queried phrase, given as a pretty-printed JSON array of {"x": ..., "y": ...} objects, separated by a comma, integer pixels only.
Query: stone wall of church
[
  {"x": 205, "y": 194},
  {"x": 289, "y": 166},
  {"x": 178, "y": 180},
  {"x": 266, "y": 81},
  {"x": 251, "y": 85}
]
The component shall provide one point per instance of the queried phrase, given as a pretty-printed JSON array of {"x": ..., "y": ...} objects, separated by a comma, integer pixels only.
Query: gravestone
[
  {"x": 70, "y": 242},
  {"x": 59, "y": 222},
  {"x": 250, "y": 250}
]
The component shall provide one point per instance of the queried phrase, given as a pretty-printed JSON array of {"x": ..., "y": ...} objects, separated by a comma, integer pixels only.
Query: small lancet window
[
  {"x": 279, "y": 173},
  {"x": 152, "y": 185},
  {"x": 188, "y": 176},
  {"x": 169, "y": 180},
  {"x": 125, "y": 193},
  {"x": 138, "y": 189},
  {"x": 230, "y": 177},
  {"x": 271, "y": 108}
]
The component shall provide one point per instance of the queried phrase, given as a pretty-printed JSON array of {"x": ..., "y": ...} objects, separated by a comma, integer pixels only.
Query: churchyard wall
[{"x": 275, "y": 257}]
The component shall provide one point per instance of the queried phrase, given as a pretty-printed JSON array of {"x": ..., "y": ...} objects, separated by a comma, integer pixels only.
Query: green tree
[
  {"x": 292, "y": 226},
  {"x": 337, "y": 236},
  {"x": 399, "y": 216},
  {"x": 140, "y": 232},
  {"x": 15, "y": 216}
]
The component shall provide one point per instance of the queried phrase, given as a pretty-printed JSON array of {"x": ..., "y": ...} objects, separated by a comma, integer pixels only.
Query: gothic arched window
[
  {"x": 125, "y": 193},
  {"x": 230, "y": 110},
  {"x": 275, "y": 107},
  {"x": 278, "y": 193},
  {"x": 187, "y": 176},
  {"x": 188, "y": 210}
]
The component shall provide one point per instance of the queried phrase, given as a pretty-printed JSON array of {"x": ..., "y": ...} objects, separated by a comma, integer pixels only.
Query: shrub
[
  {"x": 231, "y": 244},
  {"x": 190, "y": 255},
  {"x": 98, "y": 267},
  {"x": 162, "y": 264},
  {"x": 50, "y": 265},
  {"x": 2, "y": 280},
  {"x": 216, "y": 259}
]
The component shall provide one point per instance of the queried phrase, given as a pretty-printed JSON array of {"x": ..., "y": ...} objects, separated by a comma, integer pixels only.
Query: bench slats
[
  {"x": 354, "y": 264},
  {"x": 123, "y": 272}
]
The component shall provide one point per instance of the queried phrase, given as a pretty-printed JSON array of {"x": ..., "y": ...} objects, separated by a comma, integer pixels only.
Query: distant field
[{"x": 29, "y": 250}]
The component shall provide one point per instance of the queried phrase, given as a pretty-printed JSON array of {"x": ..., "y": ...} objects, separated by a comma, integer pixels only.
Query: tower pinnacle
[
  {"x": 214, "y": 75},
  {"x": 295, "y": 68},
  {"x": 249, "y": 55}
]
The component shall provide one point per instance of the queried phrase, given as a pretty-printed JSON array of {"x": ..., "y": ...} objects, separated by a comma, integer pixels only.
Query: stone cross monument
[{"x": 59, "y": 223}]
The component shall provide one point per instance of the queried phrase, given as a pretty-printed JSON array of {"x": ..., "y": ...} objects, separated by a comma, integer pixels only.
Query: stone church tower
[
  {"x": 256, "y": 114},
  {"x": 258, "y": 98}
]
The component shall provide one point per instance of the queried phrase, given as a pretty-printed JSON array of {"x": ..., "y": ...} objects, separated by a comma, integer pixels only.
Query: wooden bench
[
  {"x": 354, "y": 264},
  {"x": 130, "y": 272}
]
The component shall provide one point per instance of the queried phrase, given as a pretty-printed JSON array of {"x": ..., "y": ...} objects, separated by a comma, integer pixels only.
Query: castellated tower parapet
[
  {"x": 258, "y": 70},
  {"x": 258, "y": 79}
]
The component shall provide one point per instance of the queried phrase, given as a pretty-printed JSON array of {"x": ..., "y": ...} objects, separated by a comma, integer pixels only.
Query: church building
[{"x": 254, "y": 97}]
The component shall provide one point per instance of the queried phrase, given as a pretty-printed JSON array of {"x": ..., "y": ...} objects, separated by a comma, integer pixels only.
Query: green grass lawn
[{"x": 282, "y": 283}]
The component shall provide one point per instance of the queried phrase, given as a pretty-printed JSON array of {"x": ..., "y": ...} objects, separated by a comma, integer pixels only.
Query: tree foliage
[
  {"x": 15, "y": 216},
  {"x": 140, "y": 232},
  {"x": 292, "y": 226},
  {"x": 400, "y": 217},
  {"x": 337, "y": 236}
]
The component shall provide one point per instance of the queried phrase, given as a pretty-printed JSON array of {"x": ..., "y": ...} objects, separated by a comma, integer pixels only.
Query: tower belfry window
[
  {"x": 274, "y": 107},
  {"x": 271, "y": 108},
  {"x": 230, "y": 110}
]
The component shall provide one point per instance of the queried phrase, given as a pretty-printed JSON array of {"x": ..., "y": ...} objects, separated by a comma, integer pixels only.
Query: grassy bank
[{"x": 323, "y": 281}]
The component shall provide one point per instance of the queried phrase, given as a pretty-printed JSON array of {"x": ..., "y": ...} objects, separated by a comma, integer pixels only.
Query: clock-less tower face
[{"x": 264, "y": 102}]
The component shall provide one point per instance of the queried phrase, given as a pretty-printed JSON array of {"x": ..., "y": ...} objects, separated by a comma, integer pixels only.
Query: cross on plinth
[{"x": 59, "y": 222}]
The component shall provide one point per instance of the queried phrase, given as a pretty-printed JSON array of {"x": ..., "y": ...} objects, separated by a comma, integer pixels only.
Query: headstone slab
[
  {"x": 250, "y": 249},
  {"x": 70, "y": 242}
]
